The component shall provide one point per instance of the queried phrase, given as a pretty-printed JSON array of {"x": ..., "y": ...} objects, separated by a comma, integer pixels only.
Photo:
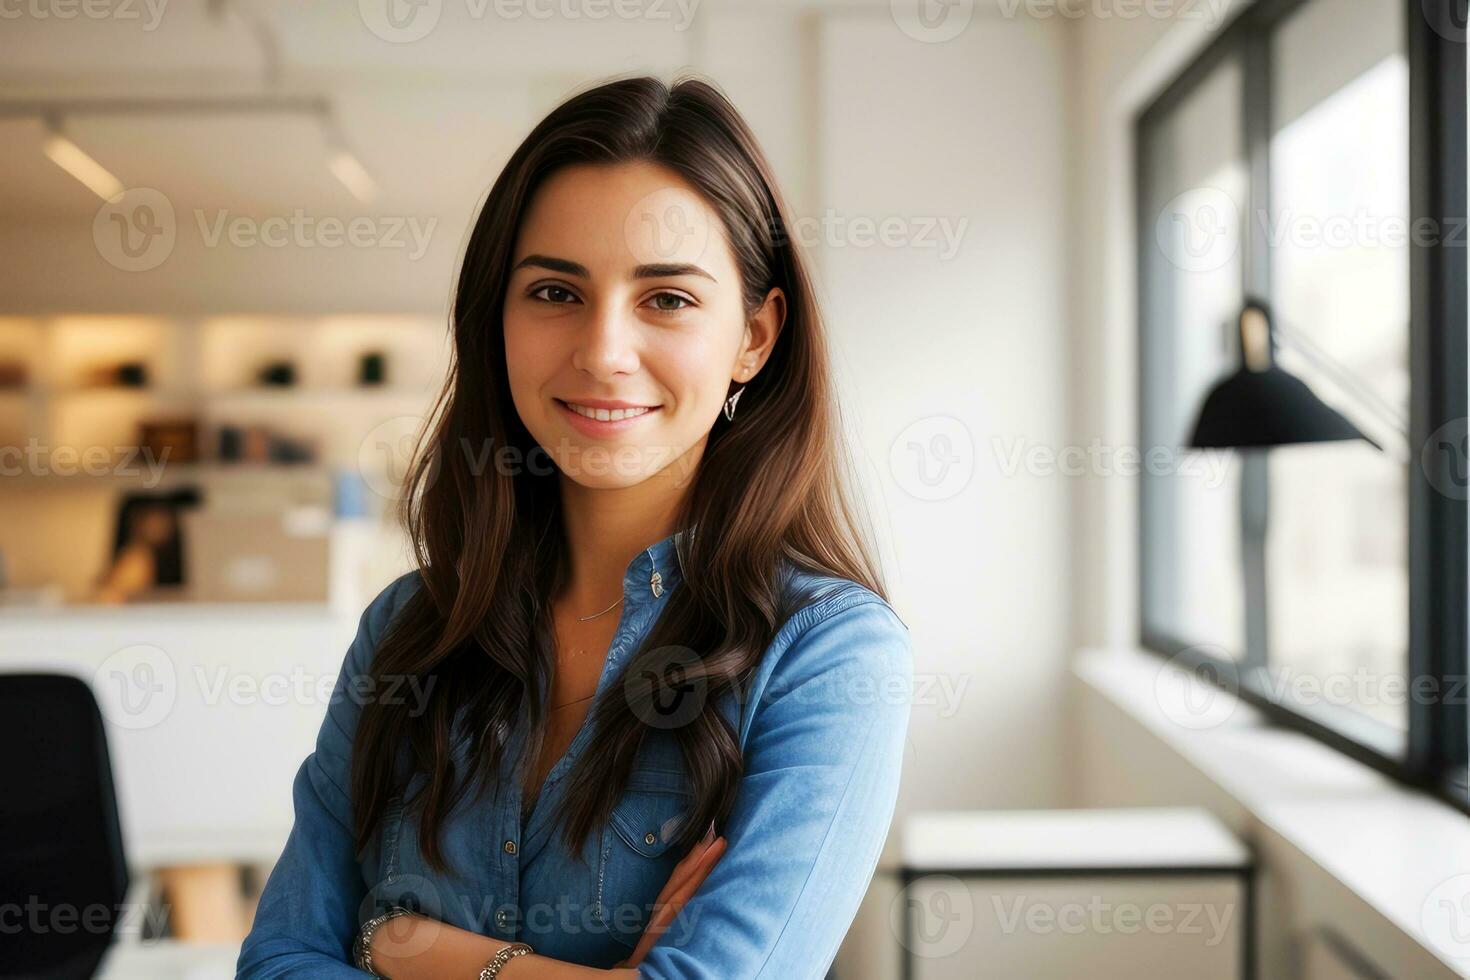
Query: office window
[
  {"x": 1324, "y": 581},
  {"x": 1197, "y": 189},
  {"x": 1337, "y": 544}
]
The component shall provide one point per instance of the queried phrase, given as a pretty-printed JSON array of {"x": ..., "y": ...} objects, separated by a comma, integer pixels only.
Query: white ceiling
[{"x": 432, "y": 120}]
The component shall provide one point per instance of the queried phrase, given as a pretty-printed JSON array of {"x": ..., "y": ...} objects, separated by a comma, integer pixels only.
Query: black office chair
[{"x": 61, "y": 853}]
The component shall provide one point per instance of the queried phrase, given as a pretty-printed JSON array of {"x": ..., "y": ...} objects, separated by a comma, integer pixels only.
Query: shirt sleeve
[
  {"x": 307, "y": 917},
  {"x": 822, "y": 763}
]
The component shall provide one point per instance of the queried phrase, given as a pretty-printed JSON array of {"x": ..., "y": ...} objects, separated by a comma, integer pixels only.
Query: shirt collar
[{"x": 656, "y": 569}]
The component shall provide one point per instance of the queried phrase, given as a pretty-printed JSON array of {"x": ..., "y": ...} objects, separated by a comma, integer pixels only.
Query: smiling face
[{"x": 624, "y": 322}]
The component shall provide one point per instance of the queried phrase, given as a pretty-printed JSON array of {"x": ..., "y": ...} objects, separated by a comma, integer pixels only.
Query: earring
[{"x": 730, "y": 404}]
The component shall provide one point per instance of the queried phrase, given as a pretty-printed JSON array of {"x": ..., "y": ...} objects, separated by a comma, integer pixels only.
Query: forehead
[{"x": 612, "y": 217}]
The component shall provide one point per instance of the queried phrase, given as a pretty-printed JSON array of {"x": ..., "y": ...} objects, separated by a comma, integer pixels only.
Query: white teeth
[{"x": 608, "y": 414}]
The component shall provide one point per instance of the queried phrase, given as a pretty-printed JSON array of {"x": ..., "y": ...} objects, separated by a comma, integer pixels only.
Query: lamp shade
[
  {"x": 1267, "y": 408},
  {"x": 1260, "y": 405}
]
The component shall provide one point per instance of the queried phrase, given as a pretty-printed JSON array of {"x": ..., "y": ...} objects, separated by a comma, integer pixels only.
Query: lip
[
  {"x": 593, "y": 427},
  {"x": 604, "y": 403}
]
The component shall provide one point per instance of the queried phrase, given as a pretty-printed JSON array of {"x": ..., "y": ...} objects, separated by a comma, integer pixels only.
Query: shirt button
[
  {"x": 649, "y": 838},
  {"x": 501, "y": 918},
  {"x": 510, "y": 847}
]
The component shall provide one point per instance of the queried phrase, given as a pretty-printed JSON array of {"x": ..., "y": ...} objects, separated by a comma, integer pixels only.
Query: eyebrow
[{"x": 657, "y": 270}]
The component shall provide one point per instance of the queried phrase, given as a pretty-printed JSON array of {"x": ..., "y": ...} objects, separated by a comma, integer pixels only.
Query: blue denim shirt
[{"x": 822, "y": 734}]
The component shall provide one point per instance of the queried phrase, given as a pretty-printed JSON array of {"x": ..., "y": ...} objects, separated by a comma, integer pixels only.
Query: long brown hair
[{"x": 773, "y": 484}]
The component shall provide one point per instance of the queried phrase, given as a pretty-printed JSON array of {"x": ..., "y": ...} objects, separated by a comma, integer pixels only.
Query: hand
[{"x": 683, "y": 882}]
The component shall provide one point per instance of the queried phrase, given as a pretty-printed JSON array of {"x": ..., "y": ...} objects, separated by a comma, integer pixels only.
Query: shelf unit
[{"x": 68, "y": 448}]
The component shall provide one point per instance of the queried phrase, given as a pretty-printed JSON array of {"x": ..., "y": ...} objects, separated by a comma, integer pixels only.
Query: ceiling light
[{"x": 75, "y": 161}]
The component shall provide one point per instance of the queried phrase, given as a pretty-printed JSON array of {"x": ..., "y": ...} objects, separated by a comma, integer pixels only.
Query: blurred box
[{"x": 274, "y": 557}]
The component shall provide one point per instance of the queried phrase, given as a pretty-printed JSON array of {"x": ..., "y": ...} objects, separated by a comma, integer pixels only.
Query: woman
[{"x": 645, "y": 664}]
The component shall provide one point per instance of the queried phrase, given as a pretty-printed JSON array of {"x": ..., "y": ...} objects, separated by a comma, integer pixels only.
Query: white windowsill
[{"x": 1402, "y": 852}]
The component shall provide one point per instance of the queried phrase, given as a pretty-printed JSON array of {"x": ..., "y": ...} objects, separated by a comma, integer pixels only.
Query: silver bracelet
[
  {"x": 492, "y": 969},
  {"x": 363, "y": 949}
]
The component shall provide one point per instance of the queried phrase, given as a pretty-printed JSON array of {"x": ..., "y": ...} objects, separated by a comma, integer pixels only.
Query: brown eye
[
  {"x": 554, "y": 294},
  {"x": 663, "y": 307}
]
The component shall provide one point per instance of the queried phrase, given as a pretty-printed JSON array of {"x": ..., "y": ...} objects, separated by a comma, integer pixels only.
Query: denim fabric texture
[{"x": 822, "y": 732}]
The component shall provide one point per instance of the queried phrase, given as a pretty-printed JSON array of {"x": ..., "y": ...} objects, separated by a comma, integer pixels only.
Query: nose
[{"x": 607, "y": 344}]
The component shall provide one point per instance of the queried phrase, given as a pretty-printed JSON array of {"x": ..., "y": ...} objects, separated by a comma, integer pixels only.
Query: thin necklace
[
  {"x": 595, "y": 615},
  {"x": 655, "y": 584}
]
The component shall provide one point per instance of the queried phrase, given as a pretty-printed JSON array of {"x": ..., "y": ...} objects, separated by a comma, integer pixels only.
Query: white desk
[{"x": 1155, "y": 842}]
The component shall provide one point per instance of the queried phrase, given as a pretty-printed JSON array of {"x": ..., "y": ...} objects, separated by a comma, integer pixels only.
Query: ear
[{"x": 761, "y": 331}]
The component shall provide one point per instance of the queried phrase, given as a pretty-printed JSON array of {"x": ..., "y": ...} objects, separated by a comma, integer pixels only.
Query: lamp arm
[{"x": 1344, "y": 377}]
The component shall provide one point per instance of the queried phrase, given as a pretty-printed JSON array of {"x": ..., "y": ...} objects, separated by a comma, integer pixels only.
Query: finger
[
  {"x": 675, "y": 895},
  {"x": 689, "y": 862}
]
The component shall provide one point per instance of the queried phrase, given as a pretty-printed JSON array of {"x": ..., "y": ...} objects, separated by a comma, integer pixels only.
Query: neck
[{"x": 605, "y": 531}]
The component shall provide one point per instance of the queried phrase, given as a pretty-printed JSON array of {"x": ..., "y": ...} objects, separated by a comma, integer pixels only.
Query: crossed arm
[
  {"x": 823, "y": 750},
  {"x": 414, "y": 947}
]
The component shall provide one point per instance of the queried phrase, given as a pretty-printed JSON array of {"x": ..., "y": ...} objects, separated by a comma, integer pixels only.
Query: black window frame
[{"x": 1434, "y": 751}]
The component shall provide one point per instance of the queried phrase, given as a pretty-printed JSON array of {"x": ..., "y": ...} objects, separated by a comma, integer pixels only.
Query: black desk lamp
[{"x": 1260, "y": 405}]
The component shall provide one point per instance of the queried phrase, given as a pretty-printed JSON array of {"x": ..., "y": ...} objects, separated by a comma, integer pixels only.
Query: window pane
[
  {"x": 1337, "y": 576},
  {"x": 1191, "y": 293}
]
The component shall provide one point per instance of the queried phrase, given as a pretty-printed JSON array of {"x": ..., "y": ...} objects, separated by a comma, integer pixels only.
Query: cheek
[
  {"x": 698, "y": 375},
  {"x": 526, "y": 356}
]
